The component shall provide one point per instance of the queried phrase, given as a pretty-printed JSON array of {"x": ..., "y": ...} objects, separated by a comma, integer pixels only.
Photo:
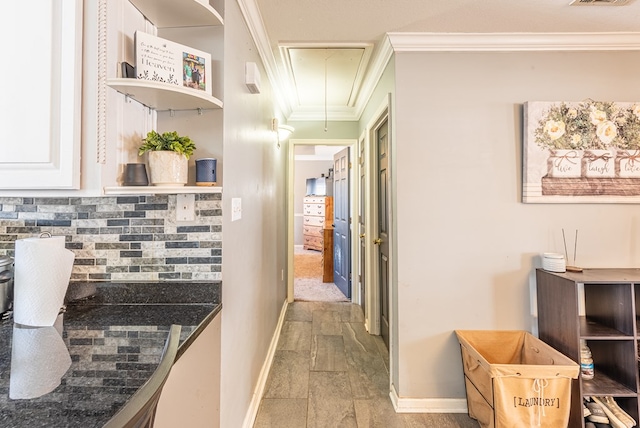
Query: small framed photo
[
  {"x": 127, "y": 70},
  {"x": 162, "y": 60}
]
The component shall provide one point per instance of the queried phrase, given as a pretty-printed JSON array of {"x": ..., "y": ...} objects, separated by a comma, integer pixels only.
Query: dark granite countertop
[{"x": 114, "y": 335}]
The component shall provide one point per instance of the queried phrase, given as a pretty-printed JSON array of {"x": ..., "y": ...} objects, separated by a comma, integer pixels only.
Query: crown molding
[
  {"x": 504, "y": 42},
  {"x": 379, "y": 62},
  {"x": 253, "y": 18},
  {"x": 424, "y": 42},
  {"x": 348, "y": 114}
]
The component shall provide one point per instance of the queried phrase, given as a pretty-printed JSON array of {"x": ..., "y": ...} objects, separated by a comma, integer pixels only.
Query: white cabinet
[
  {"x": 191, "y": 395},
  {"x": 41, "y": 94},
  {"x": 128, "y": 107}
]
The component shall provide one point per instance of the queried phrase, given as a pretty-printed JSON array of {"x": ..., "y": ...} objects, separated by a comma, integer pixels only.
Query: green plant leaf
[{"x": 167, "y": 141}]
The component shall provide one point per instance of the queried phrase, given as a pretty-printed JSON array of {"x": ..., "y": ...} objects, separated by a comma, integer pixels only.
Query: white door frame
[
  {"x": 353, "y": 204},
  {"x": 372, "y": 289}
]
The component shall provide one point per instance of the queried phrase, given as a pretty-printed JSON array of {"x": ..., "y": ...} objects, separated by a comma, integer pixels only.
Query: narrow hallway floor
[{"x": 329, "y": 372}]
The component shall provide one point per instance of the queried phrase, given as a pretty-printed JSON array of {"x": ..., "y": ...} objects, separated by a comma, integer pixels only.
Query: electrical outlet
[
  {"x": 185, "y": 207},
  {"x": 236, "y": 209}
]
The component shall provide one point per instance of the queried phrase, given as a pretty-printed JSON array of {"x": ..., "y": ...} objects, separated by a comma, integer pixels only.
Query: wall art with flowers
[{"x": 586, "y": 151}]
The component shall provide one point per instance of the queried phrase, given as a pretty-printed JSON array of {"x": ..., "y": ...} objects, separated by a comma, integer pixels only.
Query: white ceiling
[{"x": 300, "y": 39}]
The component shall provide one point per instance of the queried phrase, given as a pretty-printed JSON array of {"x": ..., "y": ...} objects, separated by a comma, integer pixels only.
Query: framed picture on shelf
[{"x": 162, "y": 60}]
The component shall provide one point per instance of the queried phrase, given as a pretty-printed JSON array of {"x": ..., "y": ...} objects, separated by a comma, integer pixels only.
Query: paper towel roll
[
  {"x": 39, "y": 359},
  {"x": 42, "y": 269}
]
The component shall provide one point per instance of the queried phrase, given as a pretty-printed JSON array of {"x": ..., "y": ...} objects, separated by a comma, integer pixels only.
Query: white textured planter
[{"x": 168, "y": 169}]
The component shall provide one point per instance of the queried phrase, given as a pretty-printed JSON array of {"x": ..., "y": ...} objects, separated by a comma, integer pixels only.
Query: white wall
[
  {"x": 254, "y": 246},
  {"x": 467, "y": 246}
]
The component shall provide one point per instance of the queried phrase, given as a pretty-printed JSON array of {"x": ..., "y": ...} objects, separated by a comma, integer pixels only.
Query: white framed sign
[
  {"x": 581, "y": 152},
  {"x": 162, "y": 60}
]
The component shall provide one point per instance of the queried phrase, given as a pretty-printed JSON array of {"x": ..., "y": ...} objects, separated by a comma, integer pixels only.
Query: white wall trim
[
  {"x": 483, "y": 42},
  {"x": 252, "y": 411},
  {"x": 377, "y": 66},
  {"x": 253, "y": 18},
  {"x": 379, "y": 60},
  {"x": 427, "y": 405}
]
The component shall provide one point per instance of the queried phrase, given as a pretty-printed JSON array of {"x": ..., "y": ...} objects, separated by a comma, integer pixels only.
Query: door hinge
[{"x": 350, "y": 165}]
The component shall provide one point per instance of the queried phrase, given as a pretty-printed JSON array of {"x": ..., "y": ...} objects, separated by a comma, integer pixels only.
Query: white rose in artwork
[
  {"x": 575, "y": 140},
  {"x": 572, "y": 113},
  {"x": 554, "y": 129},
  {"x": 597, "y": 116},
  {"x": 636, "y": 110},
  {"x": 606, "y": 131}
]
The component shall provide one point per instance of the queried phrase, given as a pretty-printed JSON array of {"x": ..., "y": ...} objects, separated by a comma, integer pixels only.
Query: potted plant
[{"x": 168, "y": 155}]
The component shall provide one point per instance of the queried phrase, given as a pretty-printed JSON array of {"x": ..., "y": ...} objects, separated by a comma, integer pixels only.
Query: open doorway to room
[{"x": 319, "y": 202}]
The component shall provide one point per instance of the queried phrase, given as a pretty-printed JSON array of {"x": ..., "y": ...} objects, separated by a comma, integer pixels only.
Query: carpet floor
[{"x": 307, "y": 279}]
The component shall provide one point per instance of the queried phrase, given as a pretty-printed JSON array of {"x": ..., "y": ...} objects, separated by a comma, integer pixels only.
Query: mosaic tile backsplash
[{"x": 123, "y": 238}]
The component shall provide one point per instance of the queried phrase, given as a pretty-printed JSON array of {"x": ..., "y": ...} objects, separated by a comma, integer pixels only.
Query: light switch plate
[
  {"x": 236, "y": 209},
  {"x": 185, "y": 207}
]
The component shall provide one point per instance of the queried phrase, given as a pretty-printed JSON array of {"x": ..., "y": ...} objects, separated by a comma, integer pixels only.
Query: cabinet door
[
  {"x": 191, "y": 396},
  {"x": 41, "y": 89}
]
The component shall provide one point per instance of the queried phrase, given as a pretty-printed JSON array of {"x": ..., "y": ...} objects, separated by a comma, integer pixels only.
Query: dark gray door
[
  {"x": 341, "y": 259},
  {"x": 382, "y": 241},
  {"x": 361, "y": 229}
]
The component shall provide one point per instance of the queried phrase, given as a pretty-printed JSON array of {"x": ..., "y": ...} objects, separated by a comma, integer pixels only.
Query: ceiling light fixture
[{"x": 283, "y": 132}]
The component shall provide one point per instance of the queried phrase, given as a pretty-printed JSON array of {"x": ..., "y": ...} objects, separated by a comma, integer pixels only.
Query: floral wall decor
[{"x": 585, "y": 151}]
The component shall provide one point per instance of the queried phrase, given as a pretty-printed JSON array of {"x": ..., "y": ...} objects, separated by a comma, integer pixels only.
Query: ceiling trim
[
  {"x": 465, "y": 42},
  {"x": 379, "y": 62},
  {"x": 340, "y": 113},
  {"x": 335, "y": 114},
  {"x": 253, "y": 18}
]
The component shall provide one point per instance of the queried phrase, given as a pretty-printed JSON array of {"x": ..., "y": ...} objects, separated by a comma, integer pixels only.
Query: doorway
[{"x": 307, "y": 160}]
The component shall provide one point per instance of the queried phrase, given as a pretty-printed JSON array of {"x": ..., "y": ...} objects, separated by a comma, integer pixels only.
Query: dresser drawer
[
  {"x": 313, "y": 242},
  {"x": 314, "y": 199},
  {"x": 314, "y": 209},
  {"x": 313, "y": 221},
  {"x": 312, "y": 231}
]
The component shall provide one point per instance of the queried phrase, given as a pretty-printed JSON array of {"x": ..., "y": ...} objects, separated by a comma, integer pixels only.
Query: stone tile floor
[{"x": 329, "y": 372}]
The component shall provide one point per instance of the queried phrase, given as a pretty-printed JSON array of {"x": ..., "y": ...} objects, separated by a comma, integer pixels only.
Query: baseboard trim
[
  {"x": 252, "y": 411},
  {"x": 427, "y": 405}
]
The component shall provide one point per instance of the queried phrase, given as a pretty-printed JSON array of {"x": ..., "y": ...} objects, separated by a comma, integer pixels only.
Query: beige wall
[
  {"x": 467, "y": 246},
  {"x": 254, "y": 246}
]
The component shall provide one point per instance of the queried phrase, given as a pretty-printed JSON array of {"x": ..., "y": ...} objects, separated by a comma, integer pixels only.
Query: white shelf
[
  {"x": 164, "y": 96},
  {"x": 172, "y": 13},
  {"x": 147, "y": 190}
]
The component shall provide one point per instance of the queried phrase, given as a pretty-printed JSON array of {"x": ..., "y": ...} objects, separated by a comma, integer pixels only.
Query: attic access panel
[{"x": 326, "y": 76}]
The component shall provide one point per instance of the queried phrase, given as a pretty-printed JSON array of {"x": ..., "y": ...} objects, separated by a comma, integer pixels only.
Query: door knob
[{"x": 377, "y": 241}]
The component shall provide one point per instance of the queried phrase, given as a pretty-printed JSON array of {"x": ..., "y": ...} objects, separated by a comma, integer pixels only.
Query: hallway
[{"x": 329, "y": 372}]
